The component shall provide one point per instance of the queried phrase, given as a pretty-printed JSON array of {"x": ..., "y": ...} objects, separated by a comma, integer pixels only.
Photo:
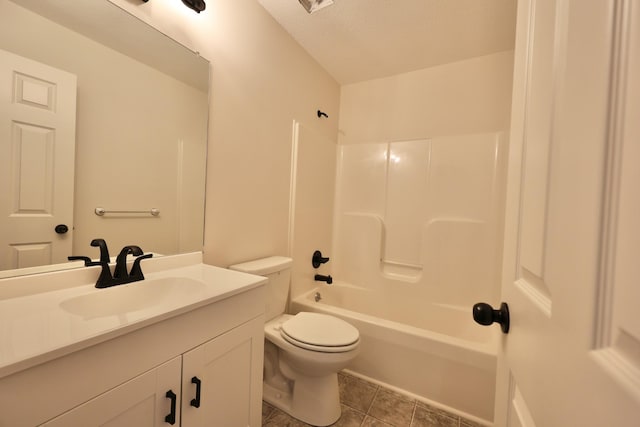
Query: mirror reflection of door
[{"x": 37, "y": 151}]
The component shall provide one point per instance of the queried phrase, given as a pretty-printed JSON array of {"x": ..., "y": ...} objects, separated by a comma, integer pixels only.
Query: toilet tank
[{"x": 278, "y": 270}]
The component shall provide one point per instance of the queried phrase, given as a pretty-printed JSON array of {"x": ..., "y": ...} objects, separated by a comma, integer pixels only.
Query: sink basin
[{"x": 133, "y": 297}]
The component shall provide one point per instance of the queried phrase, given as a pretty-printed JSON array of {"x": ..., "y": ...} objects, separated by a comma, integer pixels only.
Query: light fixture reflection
[
  {"x": 197, "y": 5},
  {"x": 315, "y": 5}
]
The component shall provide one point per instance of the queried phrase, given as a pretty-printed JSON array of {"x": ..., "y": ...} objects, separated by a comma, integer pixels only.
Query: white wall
[
  {"x": 466, "y": 97},
  {"x": 261, "y": 81}
]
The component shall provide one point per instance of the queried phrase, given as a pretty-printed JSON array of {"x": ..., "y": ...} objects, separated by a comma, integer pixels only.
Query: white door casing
[
  {"x": 572, "y": 231},
  {"x": 37, "y": 154}
]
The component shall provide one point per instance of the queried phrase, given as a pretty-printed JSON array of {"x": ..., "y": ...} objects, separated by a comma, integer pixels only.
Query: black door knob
[
  {"x": 61, "y": 229},
  {"x": 484, "y": 314}
]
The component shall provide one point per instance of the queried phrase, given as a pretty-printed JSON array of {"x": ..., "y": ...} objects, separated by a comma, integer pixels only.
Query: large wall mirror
[{"x": 98, "y": 110}]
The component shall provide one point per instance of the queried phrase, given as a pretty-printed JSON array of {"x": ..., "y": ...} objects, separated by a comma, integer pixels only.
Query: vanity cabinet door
[
  {"x": 141, "y": 401},
  {"x": 228, "y": 373}
]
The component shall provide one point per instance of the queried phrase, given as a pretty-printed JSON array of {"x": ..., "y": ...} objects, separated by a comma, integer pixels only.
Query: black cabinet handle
[
  {"x": 196, "y": 402},
  {"x": 171, "y": 418}
]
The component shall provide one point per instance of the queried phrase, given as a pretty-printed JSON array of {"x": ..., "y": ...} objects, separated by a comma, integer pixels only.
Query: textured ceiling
[{"x": 357, "y": 40}]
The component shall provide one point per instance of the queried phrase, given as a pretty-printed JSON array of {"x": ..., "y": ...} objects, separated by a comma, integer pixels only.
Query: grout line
[
  {"x": 363, "y": 418},
  {"x": 373, "y": 400},
  {"x": 413, "y": 414}
]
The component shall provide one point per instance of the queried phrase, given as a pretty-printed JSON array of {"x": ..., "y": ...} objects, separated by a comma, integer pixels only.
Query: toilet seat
[{"x": 320, "y": 332}]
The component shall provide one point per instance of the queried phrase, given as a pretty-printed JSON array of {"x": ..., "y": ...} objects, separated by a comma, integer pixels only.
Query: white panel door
[
  {"x": 572, "y": 239},
  {"x": 37, "y": 150}
]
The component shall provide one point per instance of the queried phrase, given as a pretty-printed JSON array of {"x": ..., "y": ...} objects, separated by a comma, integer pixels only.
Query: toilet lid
[{"x": 319, "y": 332}]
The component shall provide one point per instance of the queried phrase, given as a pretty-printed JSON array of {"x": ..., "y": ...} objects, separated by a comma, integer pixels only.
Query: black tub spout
[{"x": 323, "y": 278}]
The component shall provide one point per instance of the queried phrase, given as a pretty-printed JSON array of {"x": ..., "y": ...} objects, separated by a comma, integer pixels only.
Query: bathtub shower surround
[
  {"x": 422, "y": 218},
  {"x": 417, "y": 241}
]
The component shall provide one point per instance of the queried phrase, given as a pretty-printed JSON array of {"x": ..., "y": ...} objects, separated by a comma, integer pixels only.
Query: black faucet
[
  {"x": 323, "y": 278},
  {"x": 105, "y": 279},
  {"x": 120, "y": 275}
]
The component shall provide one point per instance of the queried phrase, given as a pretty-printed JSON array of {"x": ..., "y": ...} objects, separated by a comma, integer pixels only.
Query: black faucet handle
[
  {"x": 121, "y": 260},
  {"x": 136, "y": 270},
  {"x": 104, "y": 251},
  {"x": 318, "y": 259},
  {"x": 88, "y": 262}
]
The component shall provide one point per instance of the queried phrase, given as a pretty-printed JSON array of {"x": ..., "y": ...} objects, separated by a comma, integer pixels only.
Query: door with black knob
[
  {"x": 37, "y": 161},
  {"x": 572, "y": 219}
]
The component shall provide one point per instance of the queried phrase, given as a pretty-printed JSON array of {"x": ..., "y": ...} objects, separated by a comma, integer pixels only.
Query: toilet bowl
[
  {"x": 305, "y": 383},
  {"x": 303, "y": 352}
]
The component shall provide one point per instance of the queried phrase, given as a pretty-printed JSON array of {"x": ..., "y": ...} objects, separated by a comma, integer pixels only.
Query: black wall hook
[{"x": 322, "y": 114}]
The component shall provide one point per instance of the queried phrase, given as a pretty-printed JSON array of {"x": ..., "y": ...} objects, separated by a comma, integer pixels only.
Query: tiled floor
[{"x": 368, "y": 405}]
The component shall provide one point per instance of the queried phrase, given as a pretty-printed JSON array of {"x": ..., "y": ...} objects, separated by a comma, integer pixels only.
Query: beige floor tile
[
  {"x": 431, "y": 417},
  {"x": 266, "y": 409},
  {"x": 468, "y": 423},
  {"x": 392, "y": 408},
  {"x": 277, "y": 418},
  {"x": 368, "y": 405},
  {"x": 373, "y": 422},
  {"x": 355, "y": 392},
  {"x": 349, "y": 418}
]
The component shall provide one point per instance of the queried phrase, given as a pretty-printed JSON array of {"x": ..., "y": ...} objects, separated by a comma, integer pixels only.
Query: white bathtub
[{"x": 435, "y": 352}]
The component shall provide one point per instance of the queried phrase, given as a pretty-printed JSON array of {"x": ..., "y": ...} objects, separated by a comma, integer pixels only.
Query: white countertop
[{"x": 39, "y": 327}]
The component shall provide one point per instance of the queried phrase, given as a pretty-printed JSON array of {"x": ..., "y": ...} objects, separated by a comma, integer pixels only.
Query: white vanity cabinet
[
  {"x": 141, "y": 401},
  {"x": 122, "y": 378},
  {"x": 229, "y": 374},
  {"x": 213, "y": 384}
]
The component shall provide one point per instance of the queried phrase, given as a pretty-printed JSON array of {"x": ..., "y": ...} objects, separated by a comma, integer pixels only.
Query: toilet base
[{"x": 314, "y": 400}]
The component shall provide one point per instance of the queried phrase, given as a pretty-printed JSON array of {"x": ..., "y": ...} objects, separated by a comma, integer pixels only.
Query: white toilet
[{"x": 302, "y": 353}]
